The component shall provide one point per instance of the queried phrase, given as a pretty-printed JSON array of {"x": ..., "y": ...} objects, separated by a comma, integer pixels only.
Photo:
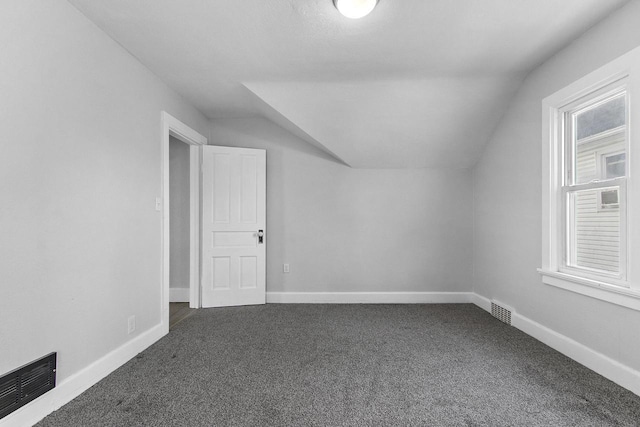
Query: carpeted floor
[{"x": 350, "y": 365}]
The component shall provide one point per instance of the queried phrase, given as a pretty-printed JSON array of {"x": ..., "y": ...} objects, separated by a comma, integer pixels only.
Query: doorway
[
  {"x": 181, "y": 144},
  {"x": 179, "y": 223}
]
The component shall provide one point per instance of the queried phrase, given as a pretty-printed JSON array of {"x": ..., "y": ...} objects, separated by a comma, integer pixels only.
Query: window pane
[
  {"x": 594, "y": 232},
  {"x": 595, "y": 144},
  {"x": 608, "y": 115}
]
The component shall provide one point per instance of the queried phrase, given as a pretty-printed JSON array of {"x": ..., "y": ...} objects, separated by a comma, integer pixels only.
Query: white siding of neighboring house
[{"x": 597, "y": 230}]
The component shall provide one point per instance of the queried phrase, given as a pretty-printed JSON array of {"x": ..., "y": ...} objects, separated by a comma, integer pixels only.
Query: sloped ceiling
[{"x": 415, "y": 84}]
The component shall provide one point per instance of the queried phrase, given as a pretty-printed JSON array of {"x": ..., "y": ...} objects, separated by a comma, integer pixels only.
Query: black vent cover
[{"x": 22, "y": 385}]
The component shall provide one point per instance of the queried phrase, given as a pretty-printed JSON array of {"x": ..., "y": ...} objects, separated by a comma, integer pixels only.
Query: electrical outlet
[
  {"x": 158, "y": 203},
  {"x": 285, "y": 268},
  {"x": 131, "y": 324}
]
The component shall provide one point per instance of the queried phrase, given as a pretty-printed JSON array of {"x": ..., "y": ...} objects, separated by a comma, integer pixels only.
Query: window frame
[
  {"x": 620, "y": 74},
  {"x": 567, "y": 144}
]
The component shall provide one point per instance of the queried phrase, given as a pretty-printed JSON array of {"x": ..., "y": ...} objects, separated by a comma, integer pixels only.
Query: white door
[{"x": 233, "y": 226}]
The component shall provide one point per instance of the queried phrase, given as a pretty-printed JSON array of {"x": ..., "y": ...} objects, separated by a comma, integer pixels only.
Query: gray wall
[
  {"x": 179, "y": 213},
  {"x": 344, "y": 229},
  {"x": 81, "y": 238},
  {"x": 79, "y": 174},
  {"x": 507, "y": 220}
]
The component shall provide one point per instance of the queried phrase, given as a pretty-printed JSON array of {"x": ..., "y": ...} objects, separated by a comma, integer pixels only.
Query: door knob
[{"x": 260, "y": 236}]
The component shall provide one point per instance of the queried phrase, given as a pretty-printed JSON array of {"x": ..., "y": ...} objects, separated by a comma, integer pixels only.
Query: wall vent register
[
  {"x": 22, "y": 385},
  {"x": 501, "y": 313}
]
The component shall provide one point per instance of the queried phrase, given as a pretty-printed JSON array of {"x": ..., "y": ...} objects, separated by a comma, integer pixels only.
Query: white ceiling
[{"x": 415, "y": 84}]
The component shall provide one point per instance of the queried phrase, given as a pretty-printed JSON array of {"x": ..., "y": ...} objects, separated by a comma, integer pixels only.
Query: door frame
[{"x": 174, "y": 127}]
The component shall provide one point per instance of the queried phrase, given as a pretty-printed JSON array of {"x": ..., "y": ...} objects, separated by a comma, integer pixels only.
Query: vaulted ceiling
[{"x": 417, "y": 83}]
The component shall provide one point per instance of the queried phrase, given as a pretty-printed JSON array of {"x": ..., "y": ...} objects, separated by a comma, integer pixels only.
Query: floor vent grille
[
  {"x": 501, "y": 312},
  {"x": 22, "y": 385}
]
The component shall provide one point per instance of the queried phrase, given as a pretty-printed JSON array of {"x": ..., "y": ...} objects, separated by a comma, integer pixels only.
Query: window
[
  {"x": 590, "y": 202},
  {"x": 591, "y": 219}
]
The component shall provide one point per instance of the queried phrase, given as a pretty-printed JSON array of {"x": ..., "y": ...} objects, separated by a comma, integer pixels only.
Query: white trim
[
  {"x": 618, "y": 295},
  {"x": 369, "y": 297},
  {"x": 609, "y": 368},
  {"x": 195, "y": 154},
  {"x": 72, "y": 387},
  {"x": 174, "y": 127},
  {"x": 482, "y": 302},
  {"x": 179, "y": 294}
]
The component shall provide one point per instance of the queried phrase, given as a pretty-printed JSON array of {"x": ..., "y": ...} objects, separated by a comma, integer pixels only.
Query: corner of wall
[{"x": 81, "y": 381}]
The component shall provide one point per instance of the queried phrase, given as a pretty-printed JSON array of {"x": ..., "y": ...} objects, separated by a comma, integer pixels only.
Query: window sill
[{"x": 613, "y": 294}]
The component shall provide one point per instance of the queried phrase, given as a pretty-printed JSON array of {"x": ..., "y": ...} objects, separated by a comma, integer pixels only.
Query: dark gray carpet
[{"x": 350, "y": 365}]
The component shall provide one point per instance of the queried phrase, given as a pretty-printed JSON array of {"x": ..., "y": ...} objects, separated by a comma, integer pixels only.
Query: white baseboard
[
  {"x": 369, "y": 297},
  {"x": 179, "y": 294},
  {"x": 597, "y": 362},
  {"x": 482, "y": 302},
  {"x": 73, "y": 386}
]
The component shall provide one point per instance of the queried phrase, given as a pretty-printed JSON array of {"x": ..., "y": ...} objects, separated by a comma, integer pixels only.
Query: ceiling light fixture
[{"x": 355, "y": 9}]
